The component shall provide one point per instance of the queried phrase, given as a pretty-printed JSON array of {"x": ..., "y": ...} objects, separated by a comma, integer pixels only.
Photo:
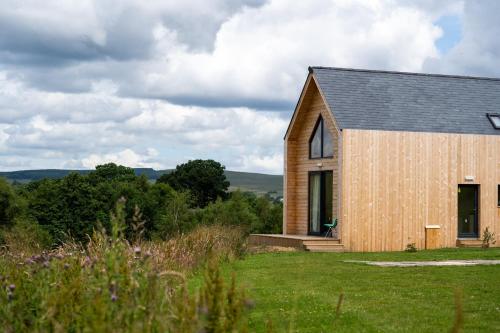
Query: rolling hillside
[{"x": 254, "y": 182}]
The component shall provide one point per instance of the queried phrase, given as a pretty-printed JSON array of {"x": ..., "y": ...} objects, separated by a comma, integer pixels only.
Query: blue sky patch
[{"x": 452, "y": 32}]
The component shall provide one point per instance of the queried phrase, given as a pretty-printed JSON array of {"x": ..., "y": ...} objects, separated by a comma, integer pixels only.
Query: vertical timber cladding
[
  {"x": 298, "y": 164},
  {"x": 396, "y": 183}
]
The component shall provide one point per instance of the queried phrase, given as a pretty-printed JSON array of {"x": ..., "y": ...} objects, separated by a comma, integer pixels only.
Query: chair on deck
[{"x": 331, "y": 227}]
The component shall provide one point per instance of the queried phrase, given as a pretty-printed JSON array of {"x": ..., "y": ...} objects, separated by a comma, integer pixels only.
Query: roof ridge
[{"x": 311, "y": 70}]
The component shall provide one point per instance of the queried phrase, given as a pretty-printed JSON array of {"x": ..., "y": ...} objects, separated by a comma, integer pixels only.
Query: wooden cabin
[{"x": 397, "y": 158}]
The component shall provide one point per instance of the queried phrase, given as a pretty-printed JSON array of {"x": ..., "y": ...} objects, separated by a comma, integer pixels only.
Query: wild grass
[{"x": 111, "y": 285}]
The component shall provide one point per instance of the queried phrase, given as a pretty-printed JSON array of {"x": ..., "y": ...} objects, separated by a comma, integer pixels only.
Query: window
[
  {"x": 320, "y": 144},
  {"x": 495, "y": 119}
]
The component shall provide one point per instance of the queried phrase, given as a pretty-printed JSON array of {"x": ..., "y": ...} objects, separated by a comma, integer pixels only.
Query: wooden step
[
  {"x": 325, "y": 241},
  {"x": 325, "y": 248},
  {"x": 469, "y": 242}
]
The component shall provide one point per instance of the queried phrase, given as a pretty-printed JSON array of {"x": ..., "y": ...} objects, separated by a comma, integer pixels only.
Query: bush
[
  {"x": 488, "y": 238},
  {"x": 411, "y": 247},
  {"x": 236, "y": 211},
  {"x": 269, "y": 215}
]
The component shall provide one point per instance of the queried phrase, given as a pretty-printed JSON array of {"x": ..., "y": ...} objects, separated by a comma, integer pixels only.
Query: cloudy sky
[{"x": 156, "y": 83}]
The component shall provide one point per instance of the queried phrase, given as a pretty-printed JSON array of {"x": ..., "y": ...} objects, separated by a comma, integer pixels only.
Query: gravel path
[{"x": 427, "y": 263}]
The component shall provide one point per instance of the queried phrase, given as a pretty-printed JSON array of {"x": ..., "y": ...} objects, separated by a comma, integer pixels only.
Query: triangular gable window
[{"x": 320, "y": 144}]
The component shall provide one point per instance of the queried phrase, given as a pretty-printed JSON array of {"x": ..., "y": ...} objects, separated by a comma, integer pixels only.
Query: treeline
[{"x": 55, "y": 210}]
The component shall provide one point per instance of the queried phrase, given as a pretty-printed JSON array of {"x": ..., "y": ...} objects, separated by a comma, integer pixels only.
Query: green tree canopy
[
  {"x": 111, "y": 171},
  {"x": 204, "y": 179},
  {"x": 10, "y": 205}
]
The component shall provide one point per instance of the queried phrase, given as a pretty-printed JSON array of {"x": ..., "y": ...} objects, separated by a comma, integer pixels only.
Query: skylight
[{"x": 495, "y": 119}]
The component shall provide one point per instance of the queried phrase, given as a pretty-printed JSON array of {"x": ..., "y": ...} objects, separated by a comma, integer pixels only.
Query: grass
[
  {"x": 299, "y": 291},
  {"x": 112, "y": 285}
]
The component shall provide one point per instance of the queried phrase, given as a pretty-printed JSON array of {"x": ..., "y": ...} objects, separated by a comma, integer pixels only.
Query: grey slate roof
[{"x": 396, "y": 101}]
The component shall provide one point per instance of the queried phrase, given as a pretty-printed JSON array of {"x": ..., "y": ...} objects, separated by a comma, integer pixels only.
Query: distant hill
[{"x": 254, "y": 182}]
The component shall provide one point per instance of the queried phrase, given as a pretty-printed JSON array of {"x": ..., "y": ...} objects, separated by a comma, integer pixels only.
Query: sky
[{"x": 157, "y": 83}]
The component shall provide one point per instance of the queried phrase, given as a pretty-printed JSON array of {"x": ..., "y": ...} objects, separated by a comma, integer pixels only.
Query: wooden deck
[{"x": 308, "y": 243}]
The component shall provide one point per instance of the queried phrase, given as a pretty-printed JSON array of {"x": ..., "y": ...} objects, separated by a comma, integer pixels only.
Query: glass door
[
  {"x": 468, "y": 211},
  {"x": 320, "y": 201}
]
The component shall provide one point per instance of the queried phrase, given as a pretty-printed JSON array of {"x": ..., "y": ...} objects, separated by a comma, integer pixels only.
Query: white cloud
[
  {"x": 260, "y": 54},
  {"x": 3, "y": 136},
  {"x": 125, "y": 157},
  {"x": 220, "y": 127},
  {"x": 160, "y": 82},
  {"x": 19, "y": 102},
  {"x": 267, "y": 164}
]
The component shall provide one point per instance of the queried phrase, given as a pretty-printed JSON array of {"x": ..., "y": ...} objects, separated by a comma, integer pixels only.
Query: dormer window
[
  {"x": 320, "y": 144},
  {"x": 495, "y": 119}
]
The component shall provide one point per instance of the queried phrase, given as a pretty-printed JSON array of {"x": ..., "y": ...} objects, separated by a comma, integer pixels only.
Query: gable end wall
[{"x": 298, "y": 165}]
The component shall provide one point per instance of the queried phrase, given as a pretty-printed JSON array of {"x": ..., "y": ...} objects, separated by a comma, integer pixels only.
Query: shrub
[
  {"x": 236, "y": 211},
  {"x": 411, "y": 247},
  {"x": 488, "y": 238},
  {"x": 269, "y": 215}
]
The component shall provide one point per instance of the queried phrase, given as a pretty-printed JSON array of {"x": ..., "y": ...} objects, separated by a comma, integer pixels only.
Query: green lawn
[{"x": 298, "y": 292}]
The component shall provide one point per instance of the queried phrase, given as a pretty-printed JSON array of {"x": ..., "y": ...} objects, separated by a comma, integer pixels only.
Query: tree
[
  {"x": 111, "y": 171},
  {"x": 10, "y": 205},
  {"x": 204, "y": 179},
  {"x": 175, "y": 217},
  {"x": 64, "y": 206},
  {"x": 236, "y": 211},
  {"x": 76, "y": 205},
  {"x": 270, "y": 216}
]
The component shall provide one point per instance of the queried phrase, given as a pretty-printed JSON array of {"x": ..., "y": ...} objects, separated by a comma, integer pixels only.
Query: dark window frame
[
  {"x": 491, "y": 116},
  {"x": 498, "y": 196},
  {"x": 477, "y": 211},
  {"x": 322, "y": 174},
  {"x": 319, "y": 122}
]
